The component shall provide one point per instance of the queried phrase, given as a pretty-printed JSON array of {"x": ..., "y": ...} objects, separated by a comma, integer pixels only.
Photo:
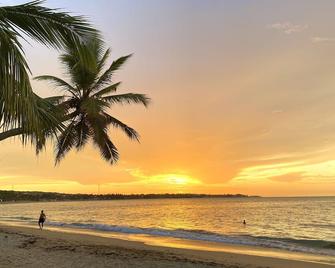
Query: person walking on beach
[{"x": 41, "y": 220}]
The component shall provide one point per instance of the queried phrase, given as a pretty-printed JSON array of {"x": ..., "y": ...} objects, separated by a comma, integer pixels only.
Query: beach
[
  {"x": 170, "y": 233},
  {"x": 167, "y": 134},
  {"x": 30, "y": 247}
]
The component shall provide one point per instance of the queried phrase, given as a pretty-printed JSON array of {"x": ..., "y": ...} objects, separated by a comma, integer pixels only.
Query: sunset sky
[{"x": 243, "y": 100}]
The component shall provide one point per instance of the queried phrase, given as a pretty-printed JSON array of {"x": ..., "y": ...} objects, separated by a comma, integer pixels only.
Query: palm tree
[
  {"x": 19, "y": 106},
  {"x": 88, "y": 98}
]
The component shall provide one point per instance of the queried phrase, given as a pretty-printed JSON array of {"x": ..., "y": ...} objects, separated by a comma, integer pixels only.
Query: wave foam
[{"x": 308, "y": 246}]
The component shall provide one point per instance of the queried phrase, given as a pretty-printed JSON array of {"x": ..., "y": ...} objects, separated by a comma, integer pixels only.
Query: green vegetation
[
  {"x": 11, "y": 196},
  {"x": 21, "y": 111},
  {"x": 82, "y": 112},
  {"x": 87, "y": 99}
]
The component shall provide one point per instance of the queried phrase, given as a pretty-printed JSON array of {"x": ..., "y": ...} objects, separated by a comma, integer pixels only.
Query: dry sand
[{"x": 30, "y": 247}]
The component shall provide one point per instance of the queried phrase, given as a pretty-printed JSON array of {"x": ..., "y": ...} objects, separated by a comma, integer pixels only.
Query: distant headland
[{"x": 32, "y": 196}]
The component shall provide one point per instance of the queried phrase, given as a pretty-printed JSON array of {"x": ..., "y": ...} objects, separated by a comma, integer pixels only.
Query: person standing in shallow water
[{"x": 41, "y": 220}]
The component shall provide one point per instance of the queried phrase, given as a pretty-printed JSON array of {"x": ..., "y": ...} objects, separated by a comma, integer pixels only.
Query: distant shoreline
[{"x": 7, "y": 196}]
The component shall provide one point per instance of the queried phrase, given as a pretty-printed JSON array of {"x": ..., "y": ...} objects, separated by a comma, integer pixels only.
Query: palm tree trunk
[{"x": 10, "y": 133}]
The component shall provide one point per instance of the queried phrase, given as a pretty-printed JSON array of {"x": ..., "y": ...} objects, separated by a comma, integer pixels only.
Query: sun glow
[
  {"x": 179, "y": 179},
  {"x": 173, "y": 179},
  {"x": 167, "y": 178}
]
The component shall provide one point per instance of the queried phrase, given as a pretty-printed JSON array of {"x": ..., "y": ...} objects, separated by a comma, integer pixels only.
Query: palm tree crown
[{"x": 88, "y": 97}]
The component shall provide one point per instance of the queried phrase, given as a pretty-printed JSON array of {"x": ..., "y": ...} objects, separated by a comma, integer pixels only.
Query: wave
[
  {"x": 307, "y": 243},
  {"x": 17, "y": 219},
  {"x": 326, "y": 226},
  {"x": 300, "y": 245}
]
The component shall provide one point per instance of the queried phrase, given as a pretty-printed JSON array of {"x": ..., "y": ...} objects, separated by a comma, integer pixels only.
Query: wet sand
[{"x": 30, "y": 247}]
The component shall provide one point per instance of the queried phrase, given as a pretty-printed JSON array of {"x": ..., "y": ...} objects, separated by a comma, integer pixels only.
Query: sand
[{"x": 30, "y": 247}]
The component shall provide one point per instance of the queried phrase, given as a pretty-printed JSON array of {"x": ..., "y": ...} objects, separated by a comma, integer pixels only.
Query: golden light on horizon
[
  {"x": 165, "y": 178},
  {"x": 179, "y": 179}
]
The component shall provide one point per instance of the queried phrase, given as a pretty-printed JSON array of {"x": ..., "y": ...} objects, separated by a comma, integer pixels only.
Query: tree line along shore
[{"x": 23, "y": 196}]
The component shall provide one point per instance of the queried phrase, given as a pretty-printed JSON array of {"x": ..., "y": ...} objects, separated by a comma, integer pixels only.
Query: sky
[{"x": 242, "y": 93}]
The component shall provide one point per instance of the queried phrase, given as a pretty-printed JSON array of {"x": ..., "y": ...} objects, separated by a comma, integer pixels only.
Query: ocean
[{"x": 298, "y": 224}]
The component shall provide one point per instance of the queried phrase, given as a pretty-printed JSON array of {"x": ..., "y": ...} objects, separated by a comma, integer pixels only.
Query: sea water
[{"x": 301, "y": 224}]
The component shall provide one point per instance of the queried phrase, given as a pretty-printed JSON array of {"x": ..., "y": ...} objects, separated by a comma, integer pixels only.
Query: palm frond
[
  {"x": 104, "y": 59},
  {"x": 50, "y": 119},
  {"x": 107, "y": 90},
  {"x": 93, "y": 107},
  {"x": 48, "y": 26},
  {"x": 66, "y": 140},
  {"x": 19, "y": 106},
  {"x": 83, "y": 133},
  {"x": 55, "y": 100},
  {"x": 40, "y": 141},
  {"x": 130, "y": 132},
  {"x": 50, "y": 115},
  {"x": 50, "y": 122},
  {"x": 106, "y": 77},
  {"x": 107, "y": 149},
  {"x": 14, "y": 85},
  {"x": 58, "y": 82},
  {"x": 81, "y": 63},
  {"x": 128, "y": 98}
]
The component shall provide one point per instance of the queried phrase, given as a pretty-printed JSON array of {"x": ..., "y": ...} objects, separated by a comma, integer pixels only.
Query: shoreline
[{"x": 29, "y": 243}]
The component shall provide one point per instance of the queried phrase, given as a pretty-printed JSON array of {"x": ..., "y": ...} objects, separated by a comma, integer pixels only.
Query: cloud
[
  {"x": 288, "y": 27},
  {"x": 290, "y": 177},
  {"x": 288, "y": 172},
  {"x": 318, "y": 39},
  {"x": 277, "y": 111}
]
